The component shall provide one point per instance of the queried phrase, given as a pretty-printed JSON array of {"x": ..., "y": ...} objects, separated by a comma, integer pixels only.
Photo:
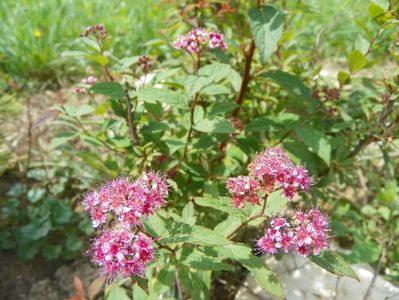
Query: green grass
[{"x": 34, "y": 33}]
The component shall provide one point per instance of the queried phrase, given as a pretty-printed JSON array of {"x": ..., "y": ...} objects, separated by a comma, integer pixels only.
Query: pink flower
[
  {"x": 125, "y": 201},
  {"x": 243, "y": 188},
  {"x": 120, "y": 252},
  {"x": 306, "y": 233},
  {"x": 89, "y": 80},
  {"x": 80, "y": 90},
  {"x": 197, "y": 39},
  {"x": 273, "y": 166}
]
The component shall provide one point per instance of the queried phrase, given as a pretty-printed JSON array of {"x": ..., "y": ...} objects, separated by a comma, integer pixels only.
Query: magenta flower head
[
  {"x": 127, "y": 202},
  {"x": 198, "y": 39},
  {"x": 273, "y": 166},
  {"x": 306, "y": 233},
  {"x": 243, "y": 188},
  {"x": 119, "y": 252}
]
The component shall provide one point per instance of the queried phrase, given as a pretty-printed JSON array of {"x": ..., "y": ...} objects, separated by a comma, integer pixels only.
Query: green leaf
[
  {"x": 291, "y": 83},
  {"x": 267, "y": 27},
  {"x": 201, "y": 261},
  {"x": 62, "y": 138},
  {"x": 219, "y": 203},
  {"x": 275, "y": 203},
  {"x": 375, "y": 11},
  {"x": 110, "y": 89},
  {"x": 188, "y": 214},
  {"x": 356, "y": 61},
  {"x": 117, "y": 293},
  {"x": 343, "y": 78},
  {"x": 51, "y": 251},
  {"x": 193, "y": 84},
  {"x": 317, "y": 142},
  {"x": 228, "y": 226},
  {"x": 196, "y": 283},
  {"x": 263, "y": 275},
  {"x": 35, "y": 194},
  {"x": 215, "y": 89},
  {"x": 334, "y": 263},
  {"x": 217, "y": 125},
  {"x": 153, "y": 95},
  {"x": 216, "y": 71},
  {"x": 362, "y": 44},
  {"x": 139, "y": 293}
]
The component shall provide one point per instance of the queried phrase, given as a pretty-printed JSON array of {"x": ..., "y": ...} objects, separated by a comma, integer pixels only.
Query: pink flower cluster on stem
[
  {"x": 306, "y": 233},
  {"x": 270, "y": 169},
  {"x": 117, "y": 208},
  {"x": 198, "y": 38}
]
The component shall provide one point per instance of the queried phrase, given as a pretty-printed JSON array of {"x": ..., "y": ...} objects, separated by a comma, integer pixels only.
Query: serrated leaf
[
  {"x": 228, "y": 226},
  {"x": 356, "y": 61},
  {"x": 153, "y": 95},
  {"x": 110, "y": 89},
  {"x": 267, "y": 27},
  {"x": 334, "y": 263},
  {"x": 215, "y": 71},
  {"x": 188, "y": 213},
  {"x": 201, "y": 261},
  {"x": 193, "y": 83},
  {"x": 197, "y": 284},
  {"x": 275, "y": 203}
]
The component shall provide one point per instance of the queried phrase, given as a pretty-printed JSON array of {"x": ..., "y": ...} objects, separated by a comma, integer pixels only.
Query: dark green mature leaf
[
  {"x": 153, "y": 95},
  {"x": 267, "y": 27},
  {"x": 334, "y": 263},
  {"x": 110, "y": 89},
  {"x": 317, "y": 142},
  {"x": 356, "y": 61},
  {"x": 263, "y": 275},
  {"x": 291, "y": 83}
]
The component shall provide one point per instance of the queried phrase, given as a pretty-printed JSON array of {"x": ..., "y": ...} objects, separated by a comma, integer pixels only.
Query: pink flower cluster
[
  {"x": 81, "y": 89},
  {"x": 120, "y": 252},
  {"x": 127, "y": 201},
  {"x": 117, "y": 250},
  {"x": 197, "y": 38},
  {"x": 305, "y": 234},
  {"x": 243, "y": 188},
  {"x": 98, "y": 31},
  {"x": 269, "y": 168}
]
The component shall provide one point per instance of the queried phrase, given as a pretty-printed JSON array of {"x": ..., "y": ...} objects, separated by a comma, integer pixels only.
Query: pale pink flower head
[
  {"x": 197, "y": 39},
  {"x": 80, "y": 90},
  {"x": 216, "y": 40},
  {"x": 243, "y": 188},
  {"x": 89, "y": 80},
  {"x": 118, "y": 252}
]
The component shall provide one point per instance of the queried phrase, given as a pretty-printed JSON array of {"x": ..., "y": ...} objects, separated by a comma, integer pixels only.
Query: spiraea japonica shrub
[{"x": 211, "y": 154}]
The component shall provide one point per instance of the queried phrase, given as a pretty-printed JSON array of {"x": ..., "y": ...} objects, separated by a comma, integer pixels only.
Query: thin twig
[
  {"x": 261, "y": 214},
  {"x": 130, "y": 115}
]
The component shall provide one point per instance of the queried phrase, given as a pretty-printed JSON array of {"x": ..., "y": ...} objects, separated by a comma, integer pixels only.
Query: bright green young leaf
[
  {"x": 110, "y": 89},
  {"x": 375, "y": 11},
  {"x": 117, "y": 293},
  {"x": 228, "y": 226},
  {"x": 153, "y": 95},
  {"x": 316, "y": 141},
  {"x": 216, "y": 71},
  {"x": 267, "y": 27},
  {"x": 343, "y": 78},
  {"x": 200, "y": 261},
  {"x": 193, "y": 83},
  {"x": 215, "y": 89},
  {"x": 188, "y": 214},
  {"x": 356, "y": 61},
  {"x": 334, "y": 263}
]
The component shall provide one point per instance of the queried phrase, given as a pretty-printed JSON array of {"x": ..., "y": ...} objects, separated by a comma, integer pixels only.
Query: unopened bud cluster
[{"x": 98, "y": 31}]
